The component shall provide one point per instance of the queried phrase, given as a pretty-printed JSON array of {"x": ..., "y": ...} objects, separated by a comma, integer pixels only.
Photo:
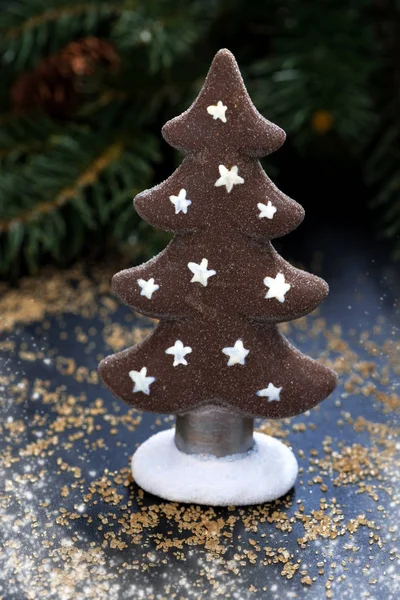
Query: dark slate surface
[{"x": 76, "y": 526}]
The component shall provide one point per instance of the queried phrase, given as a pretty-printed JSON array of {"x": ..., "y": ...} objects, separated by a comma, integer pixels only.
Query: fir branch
[
  {"x": 317, "y": 78},
  {"x": 50, "y": 214},
  {"x": 383, "y": 174},
  {"x": 19, "y": 149},
  {"x": 15, "y": 23},
  {"x": 23, "y": 135},
  {"x": 32, "y": 29},
  {"x": 88, "y": 177},
  {"x": 383, "y": 167},
  {"x": 163, "y": 29}
]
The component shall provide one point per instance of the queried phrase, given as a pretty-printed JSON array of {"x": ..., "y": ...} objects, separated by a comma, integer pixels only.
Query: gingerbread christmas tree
[{"x": 219, "y": 288}]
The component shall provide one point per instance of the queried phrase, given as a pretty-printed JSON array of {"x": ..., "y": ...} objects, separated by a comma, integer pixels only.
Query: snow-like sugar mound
[{"x": 264, "y": 473}]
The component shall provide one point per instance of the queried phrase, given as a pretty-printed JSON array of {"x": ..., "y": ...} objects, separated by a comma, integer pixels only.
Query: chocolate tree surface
[{"x": 219, "y": 288}]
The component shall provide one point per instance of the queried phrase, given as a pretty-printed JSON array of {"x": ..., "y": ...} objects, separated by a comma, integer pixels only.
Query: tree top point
[{"x": 223, "y": 116}]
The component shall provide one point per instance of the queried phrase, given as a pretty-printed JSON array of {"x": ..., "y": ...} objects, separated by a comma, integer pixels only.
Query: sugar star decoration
[
  {"x": 148, "y": 287},
  {"x": 180, "y": 202},
  {"x": 266, "y": 210},
  {"x": 200, "y": 272},
  {"x": 277, "y": 287},
  {"x": 237, "y": 354},
  {"x": 179, "y": 351},
  {"x": 141, "y": 381},
  {"x": 228, "y": 178},
  {"x": 217, "y": 111},
  {"x": 271, "y": 392}
]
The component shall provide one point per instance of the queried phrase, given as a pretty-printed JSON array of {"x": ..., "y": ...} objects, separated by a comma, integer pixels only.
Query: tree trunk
[{"x": 214, "y": 430}]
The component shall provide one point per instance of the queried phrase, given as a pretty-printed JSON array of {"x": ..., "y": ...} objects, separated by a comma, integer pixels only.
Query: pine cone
[
  {"x": 50, "y": 88},
  {"x": 55, "y": 86},
  {"x": 85, "y": 56}
]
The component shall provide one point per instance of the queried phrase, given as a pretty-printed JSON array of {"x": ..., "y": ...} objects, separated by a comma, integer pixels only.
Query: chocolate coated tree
[{"x": 219, "y": 288}]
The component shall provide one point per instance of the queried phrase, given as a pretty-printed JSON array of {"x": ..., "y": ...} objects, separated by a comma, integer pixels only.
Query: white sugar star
[
  {"x": 237, "y": 354},
  {"x": 228, "y": 178},
  {"x": 217, "y": 111},
  {"x": 200, "y": 272},
  {"x": 142, "y": 383},
  {"x": 179, "y": 351},
  {"x": 180, "y": 202},
  {"x": 148, "y": 287},
  {"x": 271, "y": 392},
  {"x": 277, "y": 287},
  {"x": 267, "y": 210}
]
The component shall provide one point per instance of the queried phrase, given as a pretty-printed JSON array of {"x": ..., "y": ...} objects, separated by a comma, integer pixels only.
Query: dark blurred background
[{"x": 87, "y": 86}]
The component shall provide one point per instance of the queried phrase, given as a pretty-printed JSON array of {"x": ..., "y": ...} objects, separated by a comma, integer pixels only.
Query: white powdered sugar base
[{"x": 265, "y": 473}]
